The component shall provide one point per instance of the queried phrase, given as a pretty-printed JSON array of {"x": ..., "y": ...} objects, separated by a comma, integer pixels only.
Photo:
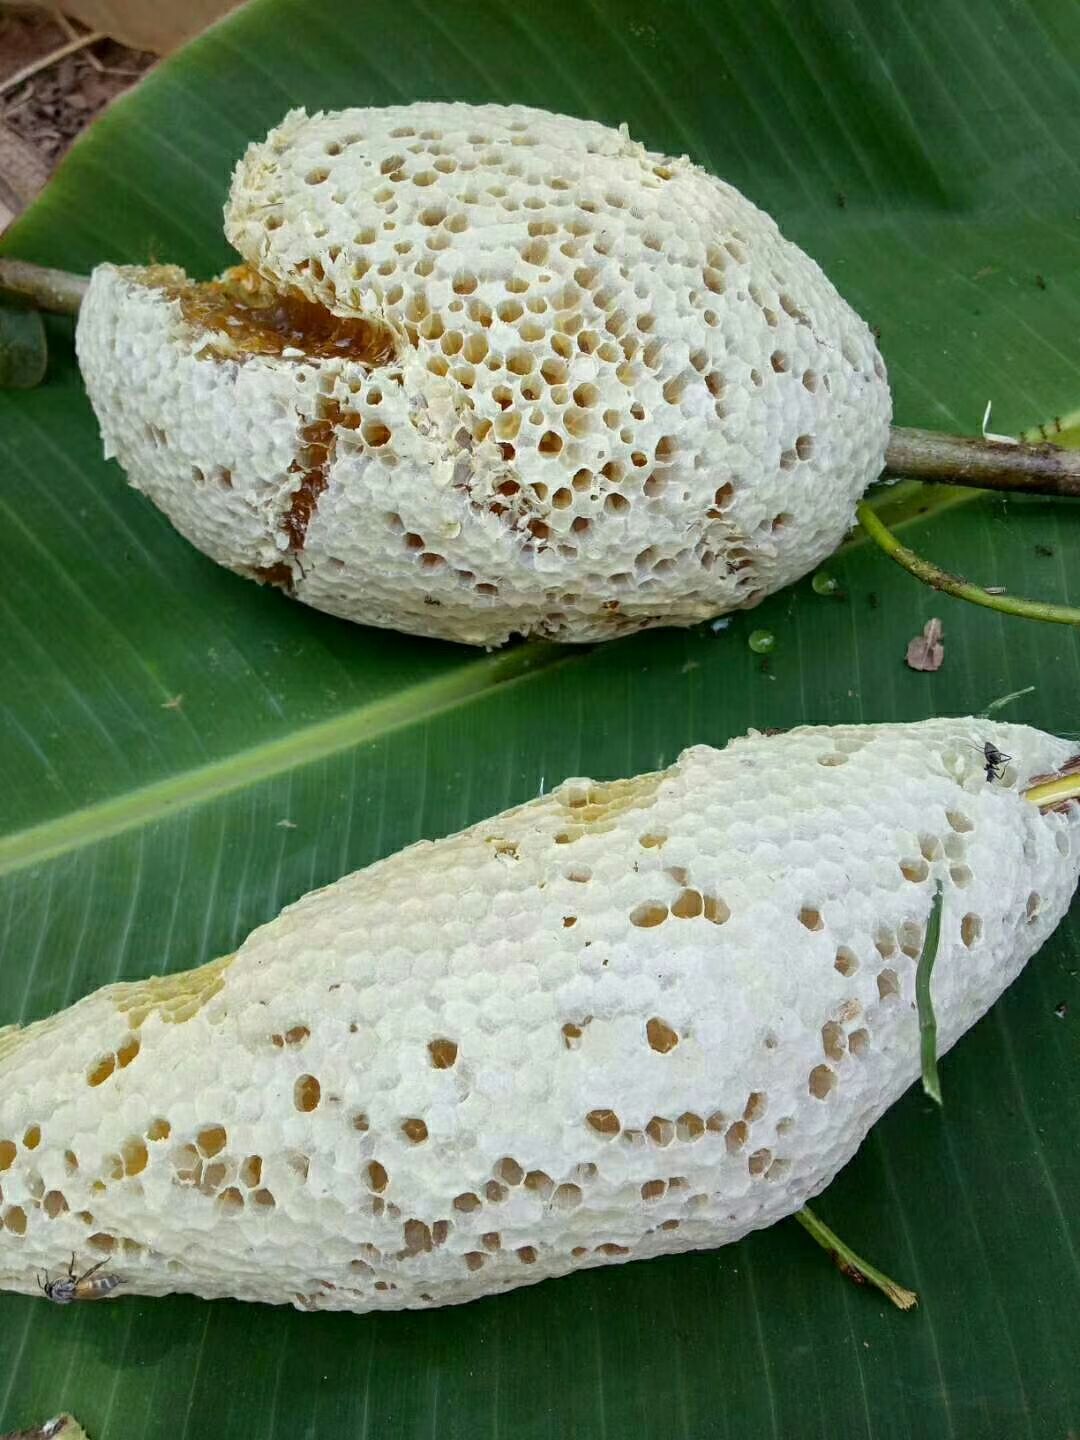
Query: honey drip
[
  {"x": 312, "y": 465},
  {"x": 256, "y": 319}
]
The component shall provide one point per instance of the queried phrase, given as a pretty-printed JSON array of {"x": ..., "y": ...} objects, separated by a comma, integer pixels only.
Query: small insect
[
  {"x": 995, "y": 762},
  {"x": 87, "y": 1286}
]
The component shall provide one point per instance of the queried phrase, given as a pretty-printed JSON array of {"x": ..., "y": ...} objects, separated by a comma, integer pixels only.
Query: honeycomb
[
  {"x": 558, "y": 385},
  {"x": 626, "y": 1019}
]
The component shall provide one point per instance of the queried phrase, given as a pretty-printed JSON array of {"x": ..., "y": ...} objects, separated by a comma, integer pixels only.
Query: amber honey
[{"x": 260, "y": 320}]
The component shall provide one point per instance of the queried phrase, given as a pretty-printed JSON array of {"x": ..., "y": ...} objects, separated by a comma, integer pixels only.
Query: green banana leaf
[{"x": 182, "y": 752}]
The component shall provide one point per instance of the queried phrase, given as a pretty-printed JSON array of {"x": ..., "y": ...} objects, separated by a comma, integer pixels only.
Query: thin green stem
[
  {"x": 938, "y": 579},
  {"x": 1003, "y": 700},
  {"x": 927, "y": 1020},
  {"x": 851, "y": 1264}
]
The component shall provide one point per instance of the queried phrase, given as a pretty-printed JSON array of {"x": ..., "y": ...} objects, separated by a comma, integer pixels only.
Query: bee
[
  {"x": 87, "y": 1286},
  {"x": 995, "y": 762}
]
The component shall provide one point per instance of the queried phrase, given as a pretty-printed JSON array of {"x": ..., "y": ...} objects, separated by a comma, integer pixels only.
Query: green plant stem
[
  {"x": 1003, "y": 700},
  {"x": 938, "y": 579},
  {"x": 55, "y": 290},
  {"x": 1055, "y": 791},
  {"x": 850, "y": 1263},
  {"x": 981, "y": 463},
  {"x": 927, "y": 1020}
]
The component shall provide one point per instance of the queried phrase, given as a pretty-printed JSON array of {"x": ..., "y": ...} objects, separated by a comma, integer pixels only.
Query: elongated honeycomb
[
  {"x": 564, "y": 386},
  {"x": 625, "y": 1019}
]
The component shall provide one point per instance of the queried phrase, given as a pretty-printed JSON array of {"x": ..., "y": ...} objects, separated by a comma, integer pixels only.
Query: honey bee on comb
[{"x": 70, "y": 1287}]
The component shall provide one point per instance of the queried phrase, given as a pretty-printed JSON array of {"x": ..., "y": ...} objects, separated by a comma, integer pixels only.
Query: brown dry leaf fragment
[
  {"x": 927, "y": 651},
  {"x": 61, "y": 1427}
]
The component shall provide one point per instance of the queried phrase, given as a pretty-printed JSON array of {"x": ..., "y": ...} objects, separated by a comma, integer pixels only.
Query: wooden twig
[
  {"x": 984, "y": 464},
  {"x": 44, "y": 61},
  {"x": 70, "y": 31},
  {"x": 55, "y": 290}
]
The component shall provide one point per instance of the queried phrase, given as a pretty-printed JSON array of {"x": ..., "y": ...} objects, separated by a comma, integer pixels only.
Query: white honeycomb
[
  {"x": 534, "y": 380},
  {"x": 626, "y": 1019}
]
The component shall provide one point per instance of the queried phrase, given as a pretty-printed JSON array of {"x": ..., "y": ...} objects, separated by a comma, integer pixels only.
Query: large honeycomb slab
[
  {"x": 488, "y": 371},
  {"x": 619, "y": 1021}
]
